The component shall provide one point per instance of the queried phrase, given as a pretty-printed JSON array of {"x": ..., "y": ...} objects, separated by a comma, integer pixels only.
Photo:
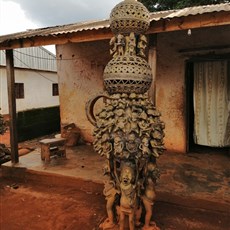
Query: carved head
[{"x": 127, "y": 174}]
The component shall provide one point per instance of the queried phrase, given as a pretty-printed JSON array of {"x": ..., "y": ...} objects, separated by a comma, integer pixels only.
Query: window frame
[
  {"x": 19, "y": 90},
  {"x": 55, "y": 89}
]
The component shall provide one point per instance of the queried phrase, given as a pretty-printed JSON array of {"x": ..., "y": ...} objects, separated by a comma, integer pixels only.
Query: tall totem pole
[{"x": 128, "y": 130}]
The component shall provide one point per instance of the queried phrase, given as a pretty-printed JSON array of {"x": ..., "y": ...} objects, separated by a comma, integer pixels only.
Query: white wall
[
  {"x": 37, "y": 58},
  {"x": 37, "y": 89}
]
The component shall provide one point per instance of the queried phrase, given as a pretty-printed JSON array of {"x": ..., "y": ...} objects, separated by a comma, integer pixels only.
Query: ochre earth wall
[
  {"x": 80, "y": 70},
  {"x": 170, "y": 75}
]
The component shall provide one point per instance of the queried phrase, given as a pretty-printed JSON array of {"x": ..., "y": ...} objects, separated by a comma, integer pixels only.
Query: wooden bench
[{"x": 52, "y": 147}]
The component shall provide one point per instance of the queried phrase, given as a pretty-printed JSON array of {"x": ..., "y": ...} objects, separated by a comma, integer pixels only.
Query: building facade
[
  {"x": 36, "y": 92},
  {"x": 189, "y": 55},
  {"x": 36, "y": 81}
]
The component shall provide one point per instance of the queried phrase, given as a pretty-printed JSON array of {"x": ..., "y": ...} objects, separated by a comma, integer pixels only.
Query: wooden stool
[{"x": 51, "y": 147}]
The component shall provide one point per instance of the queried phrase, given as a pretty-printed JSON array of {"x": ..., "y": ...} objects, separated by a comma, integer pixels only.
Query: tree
[
  {"x": 4, "y": 151},
  {"x": 160, "y": 5},
  {"x": 2, "y": 125}
]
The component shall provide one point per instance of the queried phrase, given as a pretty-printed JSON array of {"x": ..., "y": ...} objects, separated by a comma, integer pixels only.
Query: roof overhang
[
  {"x": 190, "y": 22},
  {"x": 166, "y": 21}
]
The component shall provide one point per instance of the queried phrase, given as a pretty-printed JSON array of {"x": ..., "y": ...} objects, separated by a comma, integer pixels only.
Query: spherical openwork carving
[
  {"x": 129, "y": 16},
  {"x": 125, "y": 74}
]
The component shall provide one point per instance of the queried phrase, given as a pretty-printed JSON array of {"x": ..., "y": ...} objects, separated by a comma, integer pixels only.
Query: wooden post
[
  {"x": 152, "y": 59},
  {"x": 12, "y": 106}
]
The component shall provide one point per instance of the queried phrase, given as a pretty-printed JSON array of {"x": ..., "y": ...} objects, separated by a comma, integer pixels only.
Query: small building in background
[{"x": 36, "y": 91}]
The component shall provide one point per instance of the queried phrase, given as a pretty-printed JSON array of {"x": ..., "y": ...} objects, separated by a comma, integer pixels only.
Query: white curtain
[{"x": 211, "y": 104}]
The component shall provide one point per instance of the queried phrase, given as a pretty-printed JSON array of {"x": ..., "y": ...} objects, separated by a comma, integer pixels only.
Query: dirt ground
[
  {"x": 33, "y": 206},
  {"x": 30, "y": 206}
]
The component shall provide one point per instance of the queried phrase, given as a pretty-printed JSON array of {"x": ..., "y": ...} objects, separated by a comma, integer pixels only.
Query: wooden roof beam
[{"x": 190, "y": 22}]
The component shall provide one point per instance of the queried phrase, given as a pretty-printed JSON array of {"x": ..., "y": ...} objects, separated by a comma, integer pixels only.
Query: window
[
  {"x": 55, "y": 89},
  {"x": 19, "y": 90}
]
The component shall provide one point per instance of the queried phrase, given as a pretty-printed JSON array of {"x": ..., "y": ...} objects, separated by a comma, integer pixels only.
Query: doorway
[{"x": 208, "y": 105}]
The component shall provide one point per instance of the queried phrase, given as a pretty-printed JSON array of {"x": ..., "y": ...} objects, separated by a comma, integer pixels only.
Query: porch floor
[{"x": 193, "y": 180}]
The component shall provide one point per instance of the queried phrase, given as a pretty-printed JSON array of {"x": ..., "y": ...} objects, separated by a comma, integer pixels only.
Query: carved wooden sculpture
[{"x": 128, "y": 130}]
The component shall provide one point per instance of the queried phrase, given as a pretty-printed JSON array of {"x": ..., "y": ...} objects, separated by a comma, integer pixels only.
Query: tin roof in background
[
  {"x": 104, "y": 24},
  {"x": 36, "y": 58}
]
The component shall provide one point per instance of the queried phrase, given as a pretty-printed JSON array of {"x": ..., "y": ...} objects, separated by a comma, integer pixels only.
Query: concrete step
[{"x": 197, "y": 181}]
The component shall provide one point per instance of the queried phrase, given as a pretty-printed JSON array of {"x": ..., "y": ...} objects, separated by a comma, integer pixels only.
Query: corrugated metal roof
[
  {"x": 103, "y": 24},
  {"x": 56, "y": 30},
  {"x": 37, "y": 58},
  {"x": 190, "y": 11}
]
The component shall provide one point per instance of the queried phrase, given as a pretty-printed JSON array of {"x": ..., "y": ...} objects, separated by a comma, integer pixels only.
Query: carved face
[
  {"x": 117, "y": 140},
  {"x": 105, "y": 137},
  {"x": 131, "y": 137},
  {"x": 145, "y": 141},
  {"x": 127, "y": 175}
]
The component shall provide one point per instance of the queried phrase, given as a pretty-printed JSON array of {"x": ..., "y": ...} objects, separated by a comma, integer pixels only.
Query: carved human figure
[
  {"x": 144, "y": 146},
  {"x": 110, "y": 194},
  {"x": 133, "y": 126},
  {"x": 120, "y": 44},
  {"x": 142, "y": 45},
  {"x": 107, "y": 148},
  {"x": 118, "y": 145},
  {"x": 113, "y": 44},
  {"x": 128, "y": 197},
  {"x": 109, "y": 123},
  {"x": 131, "y": 144},
  {"x": 149, "y": 197},
  {"x": 144, "y": 126},
  {"x": 97, "y": 145},
  {"x": 131, "y": 42}
]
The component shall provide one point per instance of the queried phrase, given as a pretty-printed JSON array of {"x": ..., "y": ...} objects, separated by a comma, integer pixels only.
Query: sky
[{"x": 21, "y": 15}]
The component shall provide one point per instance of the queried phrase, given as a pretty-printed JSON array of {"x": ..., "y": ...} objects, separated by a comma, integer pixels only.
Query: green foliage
[
  {"x": 160, "y": 5},
  {"x": 38, "y": 122},
  {"x": 2, "y": 125}
]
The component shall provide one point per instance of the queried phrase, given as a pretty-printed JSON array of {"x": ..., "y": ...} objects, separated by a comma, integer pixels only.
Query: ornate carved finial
[
  {"x": 128, "y": 71},
  {"x": 129, "y": 16}
]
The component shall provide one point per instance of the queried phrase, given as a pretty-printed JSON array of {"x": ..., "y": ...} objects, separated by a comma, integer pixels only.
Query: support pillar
[{"x": 12, "y": 106}]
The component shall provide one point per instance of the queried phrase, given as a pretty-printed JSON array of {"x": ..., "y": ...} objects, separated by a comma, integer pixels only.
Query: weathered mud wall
[
  {"x": 80, "y": 70},
  {"x": 173, "y": 49}
]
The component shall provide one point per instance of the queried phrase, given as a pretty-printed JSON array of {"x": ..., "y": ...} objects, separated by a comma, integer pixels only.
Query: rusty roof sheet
[
  {"x": 56, "y": 30},
  {"x": 103, "y": 24},
  {"x": 156, "y": 16}
]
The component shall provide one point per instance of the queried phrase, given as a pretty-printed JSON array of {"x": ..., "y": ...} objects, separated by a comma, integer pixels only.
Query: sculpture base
[
  {"x": 152, "y": 226},
  {"x": 106, "y": 225}
]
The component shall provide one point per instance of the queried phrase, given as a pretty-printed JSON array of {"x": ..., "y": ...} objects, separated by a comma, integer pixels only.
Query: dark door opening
[{"x": 200, "y": 144}]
